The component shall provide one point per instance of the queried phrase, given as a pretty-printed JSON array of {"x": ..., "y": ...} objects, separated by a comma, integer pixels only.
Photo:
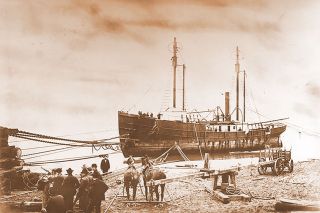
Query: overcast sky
[{"x": 69, "y": 66}]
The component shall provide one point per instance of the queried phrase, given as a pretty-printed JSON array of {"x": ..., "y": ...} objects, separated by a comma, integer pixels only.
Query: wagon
[{"x": 278, "y": 160}]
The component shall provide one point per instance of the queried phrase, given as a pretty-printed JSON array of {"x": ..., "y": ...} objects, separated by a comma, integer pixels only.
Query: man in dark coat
[
  {"x": 69, "y": 187},
  {"x": 57, "y": 180},
  {"x": 56, "y": 204},
  {"x": 96, "y": 195},
  {"x": 105, "y": 164},
  {"x": 95, "y": 172},
  {"x": 84, "y": 189}
]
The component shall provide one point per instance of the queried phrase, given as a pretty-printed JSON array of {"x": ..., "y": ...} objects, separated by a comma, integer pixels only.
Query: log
[
  {"x": 297, "y": 205},
  {"x": 9, "y": 152},
  {"x": 143, "y": 201},
  {"x": 31, "y": 206},
  {"x": 4, "y": 172},
  {"x": 8, "y": 163}
]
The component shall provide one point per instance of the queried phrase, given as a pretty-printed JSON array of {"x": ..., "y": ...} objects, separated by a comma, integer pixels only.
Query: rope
[
  {"x": 35, "y": 137},
  {"x": 46, "y": 154},
  {"x": 81, "y": 133},
  {"x": 182, "y": 154},
  {"x": 51, "y": 142},
  {"x": 61, "y": 160},
  {"x": 39, "y": 147},
  {"x": 51, "y": 150},
  {"x": 163, "y": 154}
]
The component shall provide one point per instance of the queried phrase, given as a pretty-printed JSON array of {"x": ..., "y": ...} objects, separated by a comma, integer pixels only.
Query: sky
[{"x": 67, "y": 67}]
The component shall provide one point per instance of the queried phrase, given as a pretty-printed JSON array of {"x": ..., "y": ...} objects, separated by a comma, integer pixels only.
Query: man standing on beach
[
  {"x": 96, "y": 194},
  {"x": 105, "y": 164},
  {"x": 69, "y": 187},
  {"x": 57, "y": 181},
  {"x": 95, "y": 172}
]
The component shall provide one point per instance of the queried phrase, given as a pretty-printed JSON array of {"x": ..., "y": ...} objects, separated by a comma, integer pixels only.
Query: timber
[{"x": 297, "y": 205}]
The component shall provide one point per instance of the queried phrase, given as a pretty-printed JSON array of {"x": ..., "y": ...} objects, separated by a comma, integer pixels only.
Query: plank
[{"x": 170, "y": 180}]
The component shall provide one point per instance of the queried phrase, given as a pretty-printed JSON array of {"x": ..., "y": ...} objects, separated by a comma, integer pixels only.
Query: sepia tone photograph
[{"x": 159, "y": 106}]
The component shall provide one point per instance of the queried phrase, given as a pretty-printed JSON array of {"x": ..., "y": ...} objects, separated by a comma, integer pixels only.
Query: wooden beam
[
  {"x": 170, "y": 180},
  {"x": 143, "y": 201}
]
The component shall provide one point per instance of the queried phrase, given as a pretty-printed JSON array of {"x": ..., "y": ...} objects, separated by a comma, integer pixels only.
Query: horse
[
  {"x": 150, "y": 174},
  {"x": 131, "y": 179}
]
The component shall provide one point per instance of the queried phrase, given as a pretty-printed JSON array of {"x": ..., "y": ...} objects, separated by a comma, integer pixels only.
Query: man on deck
[{"x": 105, "y": 164}]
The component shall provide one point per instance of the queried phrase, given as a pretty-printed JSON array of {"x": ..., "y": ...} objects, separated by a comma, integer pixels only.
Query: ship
[{"x": 147, "y": 134}]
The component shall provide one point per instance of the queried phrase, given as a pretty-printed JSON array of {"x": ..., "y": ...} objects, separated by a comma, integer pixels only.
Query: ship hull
[{"x": 145, "y": 135}]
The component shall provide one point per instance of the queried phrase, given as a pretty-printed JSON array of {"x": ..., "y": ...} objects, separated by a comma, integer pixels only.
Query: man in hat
[
  {"x": 69, "y": 187},
  {"x": 95, "y": 172},
  {"x": 105, "y": 164}
]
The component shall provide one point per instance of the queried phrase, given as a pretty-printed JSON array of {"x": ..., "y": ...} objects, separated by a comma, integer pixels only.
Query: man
[
  {"x": 84, "y": 188},
  {"x": 56, "y": 204},
  {"x": 69, "y": 187},
  {"x": 44, "y": 185},
  {"x": 57, "y": 181},
  {"x": 95, "y": 172},
  {"x": 96, "y": 194},
  {"x": 105, "y": 164}
]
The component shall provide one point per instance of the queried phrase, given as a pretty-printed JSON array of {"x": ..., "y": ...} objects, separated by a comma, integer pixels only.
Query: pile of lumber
[{"x": 10, "y": 161}]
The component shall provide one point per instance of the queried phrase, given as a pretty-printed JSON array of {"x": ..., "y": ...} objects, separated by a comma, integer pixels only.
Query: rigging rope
[
  {"x": 59, "y": 151},
  {"x": 62, "y": 160},
  {"x": 51, "y": 150}
]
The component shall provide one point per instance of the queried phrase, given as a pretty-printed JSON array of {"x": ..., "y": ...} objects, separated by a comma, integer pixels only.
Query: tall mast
[
  {"x": 237, "y": 68},
  {"x": 174, "y": 64},
  {"x": 183, "y": 87},
  {"x": 244, "y": 96}
]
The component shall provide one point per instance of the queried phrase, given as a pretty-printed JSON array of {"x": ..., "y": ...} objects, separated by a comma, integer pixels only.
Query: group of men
[{"x": 89, "y": 191}]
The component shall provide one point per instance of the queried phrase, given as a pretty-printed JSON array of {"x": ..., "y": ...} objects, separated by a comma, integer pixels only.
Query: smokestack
[{"x": 226, "y": 111}]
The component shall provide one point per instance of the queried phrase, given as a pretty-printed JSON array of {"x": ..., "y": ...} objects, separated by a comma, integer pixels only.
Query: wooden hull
[{"x": 140, "y": 135}]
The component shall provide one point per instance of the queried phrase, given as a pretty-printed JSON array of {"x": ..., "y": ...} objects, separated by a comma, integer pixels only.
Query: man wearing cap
[
  {"x": 105, "y": 164},
  {"x": 69, "y": 187}
]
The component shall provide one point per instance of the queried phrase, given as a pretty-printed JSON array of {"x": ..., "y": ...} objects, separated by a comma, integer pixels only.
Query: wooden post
[
  {"x": 233, "y": 179},
  {"x": 206, "y": 161},
  {"x": 4, "y": 137},
  {"x": 215, "y": 182}
]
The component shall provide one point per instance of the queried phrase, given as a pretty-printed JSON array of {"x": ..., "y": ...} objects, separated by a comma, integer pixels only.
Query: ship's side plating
[{"x": 142, "y": 134}]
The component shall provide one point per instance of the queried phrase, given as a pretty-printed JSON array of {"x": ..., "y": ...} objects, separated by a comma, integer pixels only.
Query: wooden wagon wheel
[
  {"x": 290, "y": 166},
  {"x": 262, "y": 169},
  {"x": 278, "y": 166}
]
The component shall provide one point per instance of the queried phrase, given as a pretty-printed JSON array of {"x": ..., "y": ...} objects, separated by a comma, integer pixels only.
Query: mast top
[{"x": 237, "y": 55}]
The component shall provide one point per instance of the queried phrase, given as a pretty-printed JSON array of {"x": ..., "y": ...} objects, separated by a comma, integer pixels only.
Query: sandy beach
[{"x": 191, "y": 195}]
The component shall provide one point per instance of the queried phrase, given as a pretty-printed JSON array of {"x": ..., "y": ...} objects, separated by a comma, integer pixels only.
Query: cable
[
  {"x": 81, "y": 133},
  {"x": 61, "y": 160},
  {"x": 68, "y": 149}
]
